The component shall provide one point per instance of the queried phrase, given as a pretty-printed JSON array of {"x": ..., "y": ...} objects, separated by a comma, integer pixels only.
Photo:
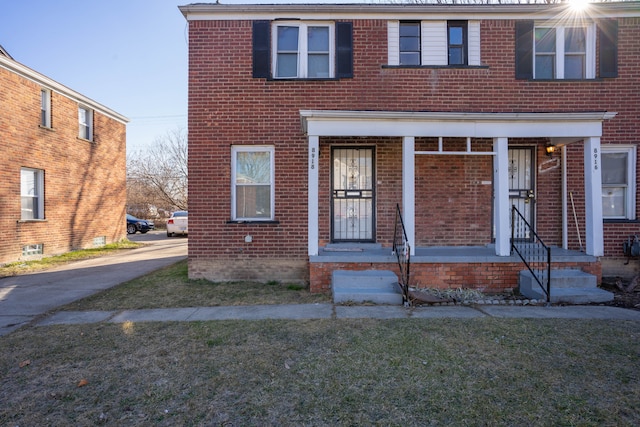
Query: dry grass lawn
[
  {"x": 339, "y": 372},
  {"x": 329, "y": 372}
]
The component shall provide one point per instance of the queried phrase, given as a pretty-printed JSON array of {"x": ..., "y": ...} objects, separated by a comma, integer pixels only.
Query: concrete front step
[
  {"x": 376, "y": 286},
  {"x": 567, "y": 286}
]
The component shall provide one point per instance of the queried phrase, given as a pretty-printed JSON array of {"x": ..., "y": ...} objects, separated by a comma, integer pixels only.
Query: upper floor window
[
  {"x": 436, "y": 43},
  {"x": 457, "y": 42},
  {"x": 546, "y": 51},
  {"x": 561, "y": 53},
  {"x": 85, "y": 121},
  {"x": 302, "y": 50},
  {"x": 31, "y": 194},
  {"x": 252, "y": 174},
  {"x": 410, "y": 43},
  {"x": 45, "y": 108},
  {"x": 618, "y": 181}
]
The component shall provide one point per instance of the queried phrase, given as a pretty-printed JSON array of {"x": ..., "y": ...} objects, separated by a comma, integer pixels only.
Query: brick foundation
[{"x": 490, "y": 277}]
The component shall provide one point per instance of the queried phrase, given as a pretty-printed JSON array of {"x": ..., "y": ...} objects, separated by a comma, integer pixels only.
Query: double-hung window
[
  {"x": 45, "y": 108},
  {"x": 31, "y": 194},
  {"x": 548, "y": 51},
  {"x": 561, "y": 53},
  {"x": 618, "y": 181},
  {"x": 410, "y": 52},
  {"x": 252, "y": 174},
  {"x": 303, "y": 50},
  {"x": 85, "y": 123},
  {"x": 457, "y": 42}
]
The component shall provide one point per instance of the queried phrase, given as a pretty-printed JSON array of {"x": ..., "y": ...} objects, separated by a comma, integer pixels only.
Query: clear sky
[{"x": 129, "y": 55}]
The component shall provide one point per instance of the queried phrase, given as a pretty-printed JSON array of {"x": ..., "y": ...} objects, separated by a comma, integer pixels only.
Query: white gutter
[
  {"x": 195, "y": 12},
  {"x": 46, "y": 82}
]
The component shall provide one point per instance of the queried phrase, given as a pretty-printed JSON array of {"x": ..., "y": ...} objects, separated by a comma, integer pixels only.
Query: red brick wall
[
  {"x": 84, "y": 182},
  {"x": 228, "y": 106}
]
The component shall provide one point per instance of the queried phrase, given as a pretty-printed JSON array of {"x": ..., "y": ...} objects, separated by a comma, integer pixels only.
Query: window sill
[
  {"x": 596, "y": 79},
  {"x": 620, "y": 221},
  {"x": 438, "y": 67},
  {"x": 85, "y": 140},
  {"x": 49, "y": 128},
  {"x": 254, "y": 221},
  {"x": 304, "y": 79},
  {"x": 25, "y": 221}
]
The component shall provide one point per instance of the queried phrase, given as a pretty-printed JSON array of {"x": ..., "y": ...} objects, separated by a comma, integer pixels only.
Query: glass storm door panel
[
  {"x": 352, "y": 194},
  {"x": 521, "y": 187}
]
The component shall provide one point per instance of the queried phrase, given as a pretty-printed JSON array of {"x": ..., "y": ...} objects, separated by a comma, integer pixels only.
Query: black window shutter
[
  {"x": 261, "y": 49},
  {"x": 524, "y": 50},
  {"x": 608, "y": 48},
  {"x": 344, "y": 50}
]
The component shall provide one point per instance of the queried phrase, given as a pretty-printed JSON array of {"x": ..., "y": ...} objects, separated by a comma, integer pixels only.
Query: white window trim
[
  {"x": 47, "y": 101},
  {"x": 590, "y": 46},
  {"x": 235, "y": 149},
  {"x": 89, "y": 124},
  {"x": 303, "y": 53},
  {"x": 434, "y": 47},
  {"x": 630, "y": 195},
  {"x": 39, "y": 182}
]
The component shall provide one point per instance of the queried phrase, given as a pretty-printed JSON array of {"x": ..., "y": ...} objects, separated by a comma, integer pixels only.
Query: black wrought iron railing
[
  {"x": 402, "y": 251},
  {"x": 532, "y": 251}
]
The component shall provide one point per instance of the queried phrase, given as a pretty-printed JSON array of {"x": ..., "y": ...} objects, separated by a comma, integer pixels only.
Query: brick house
[
  {"x": 309, "y": 125},
  {"x": 63, "y": 170}
]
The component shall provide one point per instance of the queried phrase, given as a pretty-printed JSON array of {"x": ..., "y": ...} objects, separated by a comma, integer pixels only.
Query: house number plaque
[{"x": 312, "y": 159}]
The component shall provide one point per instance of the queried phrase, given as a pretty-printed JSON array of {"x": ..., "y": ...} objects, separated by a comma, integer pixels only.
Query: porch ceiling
[{"x": 451, "y": 124}]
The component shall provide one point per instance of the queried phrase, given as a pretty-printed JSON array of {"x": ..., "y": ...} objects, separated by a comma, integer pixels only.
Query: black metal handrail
[
  {"x": 532, "y": 251},
  {"x": 402, "y": 251}
]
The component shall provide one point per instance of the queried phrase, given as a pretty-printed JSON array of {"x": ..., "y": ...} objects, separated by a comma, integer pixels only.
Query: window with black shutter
[{"x": 302, "y": 50}]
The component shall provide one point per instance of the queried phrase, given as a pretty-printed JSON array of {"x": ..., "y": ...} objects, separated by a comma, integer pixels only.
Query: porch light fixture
[{"x": 550, "y": 149}]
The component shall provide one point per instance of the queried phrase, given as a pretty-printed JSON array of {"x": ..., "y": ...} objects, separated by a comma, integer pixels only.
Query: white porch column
[
  {"x": 312, "y": 192},
  {"x": 501, "y": 207},
  {"x": 593, "y": 197},
  {"x": 409, "y": 190}
]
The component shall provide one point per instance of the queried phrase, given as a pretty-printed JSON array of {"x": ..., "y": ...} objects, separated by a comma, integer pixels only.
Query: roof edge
[
  {"x": 36, "y": 77},
  {"x": 214, "y": 11}
]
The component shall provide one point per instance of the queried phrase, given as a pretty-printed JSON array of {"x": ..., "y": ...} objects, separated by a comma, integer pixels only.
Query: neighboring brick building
[
  {"x": 63, "y": 167},
  {"x": 308, "y": 124}
]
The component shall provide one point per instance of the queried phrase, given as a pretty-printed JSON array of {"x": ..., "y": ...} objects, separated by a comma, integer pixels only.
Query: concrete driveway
[{"x": 25, "y": 297}]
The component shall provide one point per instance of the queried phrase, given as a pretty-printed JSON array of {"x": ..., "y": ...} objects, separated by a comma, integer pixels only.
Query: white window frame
[
  {"x": 630, "y": 191},
  {"x": 45, "y": 108},
  {"x": 38, "y": 196},
  {"x": 590, "y": 46},
  {"x": 303, "y": 54},
  {"x": 85, "y": 129},
  {"x": 252, "y": 149}
]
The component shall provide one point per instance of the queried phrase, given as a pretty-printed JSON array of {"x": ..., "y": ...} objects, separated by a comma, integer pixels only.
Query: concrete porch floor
[
  {"x": 476, "y": 267},
  {"x": 375, "y": 253}
]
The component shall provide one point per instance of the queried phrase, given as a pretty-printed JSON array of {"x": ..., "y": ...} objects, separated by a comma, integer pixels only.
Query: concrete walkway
[
  {"x": 331, "y": 311},
  {"x": 27, "y": 297}
]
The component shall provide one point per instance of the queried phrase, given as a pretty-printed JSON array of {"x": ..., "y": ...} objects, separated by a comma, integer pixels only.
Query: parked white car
[{"x": 178, "y": 223}]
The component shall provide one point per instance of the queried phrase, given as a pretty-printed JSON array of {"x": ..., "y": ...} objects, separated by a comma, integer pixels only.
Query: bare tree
[{"x": 158, "y": 176}]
